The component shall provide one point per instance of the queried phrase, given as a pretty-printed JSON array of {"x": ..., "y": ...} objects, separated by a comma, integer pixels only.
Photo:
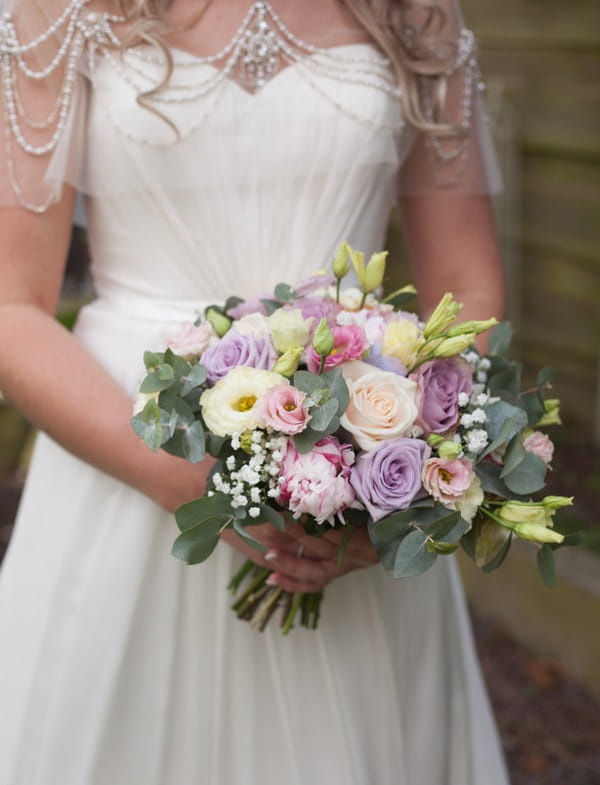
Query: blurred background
[{"x": 540, "y": 647}]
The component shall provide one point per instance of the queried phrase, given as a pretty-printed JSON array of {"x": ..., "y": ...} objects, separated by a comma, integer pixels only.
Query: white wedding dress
[{"x": 119, "y": 665}]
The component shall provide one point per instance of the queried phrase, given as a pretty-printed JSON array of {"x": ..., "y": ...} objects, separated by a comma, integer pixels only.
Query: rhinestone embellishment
[{"x": 260, "y": 49}]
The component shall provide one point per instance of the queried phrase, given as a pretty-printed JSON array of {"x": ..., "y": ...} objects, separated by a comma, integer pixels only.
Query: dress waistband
[{"x": 136, "y": 306}]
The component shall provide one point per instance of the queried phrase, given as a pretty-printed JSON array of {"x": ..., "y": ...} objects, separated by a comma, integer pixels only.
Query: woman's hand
[{"x": 304, "y": 563}]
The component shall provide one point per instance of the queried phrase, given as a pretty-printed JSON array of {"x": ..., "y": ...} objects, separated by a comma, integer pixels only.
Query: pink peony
[
  {"x": 190, "y": 340},
  {"x": 541, "y": 445},
  {"x": 281, "y": 408},
  {"x": 317, "y": 483},
  {"x": 448, "y": 480},
  {"x": 349, "y": 343}
]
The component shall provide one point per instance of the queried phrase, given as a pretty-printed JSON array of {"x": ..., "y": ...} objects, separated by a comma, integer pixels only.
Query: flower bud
[
  {"x": 219, "y": 321},
  {"x": 450, "y": 347},
  {"x": 434, "y": 439},
  {"x": 552, "y": 414},
  {"x": 288, "y": 363},
  {"x": 323, "y": 339},
  {"x": 375, "y": 271},
  {"x": 358, "y": 262},
  {"x": 246, "y": 442},
  {"x": 341, "y": 263},
  {"x": 556, "y": 502},
  {"x": 537, "y": 533},
  {"x": 472, "y": 327},
  {"x": 449, "y": 449},
  {"x": 443, "y": 316}
]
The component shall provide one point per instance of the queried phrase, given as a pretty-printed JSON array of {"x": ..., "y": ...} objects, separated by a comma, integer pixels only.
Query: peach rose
[{"x": 382, "y": 404}]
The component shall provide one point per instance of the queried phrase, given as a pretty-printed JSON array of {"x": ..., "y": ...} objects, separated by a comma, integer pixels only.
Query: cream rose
[
  {"x": 382, "y": 405},
  {"x": 253, "y": 324},
  {"x": 228, "y": 407},
  {"x": 289, "y": 328}
]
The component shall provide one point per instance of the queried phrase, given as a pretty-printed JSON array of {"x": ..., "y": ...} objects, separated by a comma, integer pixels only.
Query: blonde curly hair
[{"x": 413, "y": 57}]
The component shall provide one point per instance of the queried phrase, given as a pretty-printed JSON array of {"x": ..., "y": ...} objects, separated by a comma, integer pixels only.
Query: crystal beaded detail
[{"x": 259, "y": 50}]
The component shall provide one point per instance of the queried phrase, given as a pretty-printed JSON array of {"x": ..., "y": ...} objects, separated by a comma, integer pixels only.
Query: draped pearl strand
[{"x": 260, "y": 48}]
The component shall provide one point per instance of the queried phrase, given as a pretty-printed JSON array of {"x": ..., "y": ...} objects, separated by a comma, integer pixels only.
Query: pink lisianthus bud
[
  {"x": 541, "y": 445},
  {"x": 349, "y": 343},
  {"x": 281, "y": 408}
]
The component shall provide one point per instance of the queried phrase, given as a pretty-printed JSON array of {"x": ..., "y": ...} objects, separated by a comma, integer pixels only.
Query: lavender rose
[
  {"x": 235, "y": 349},
  {"x": 388, "y": 478},
  {"x": 439, "y": 383}
]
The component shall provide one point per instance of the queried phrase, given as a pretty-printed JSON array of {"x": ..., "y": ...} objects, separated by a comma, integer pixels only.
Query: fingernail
[
  {"x": 270, "y": 555},
  {"x": 271, "y": 580}
]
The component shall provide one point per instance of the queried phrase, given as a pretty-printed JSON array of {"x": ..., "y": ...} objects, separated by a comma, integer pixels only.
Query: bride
[{"x": 221, "y": 147}]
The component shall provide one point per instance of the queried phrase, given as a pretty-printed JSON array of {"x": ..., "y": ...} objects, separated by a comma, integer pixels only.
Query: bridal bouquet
[{"x": 340, "y": 409}]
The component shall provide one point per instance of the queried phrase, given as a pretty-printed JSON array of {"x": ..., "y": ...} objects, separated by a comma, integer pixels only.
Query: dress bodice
[{"x": 257, "y": 188}]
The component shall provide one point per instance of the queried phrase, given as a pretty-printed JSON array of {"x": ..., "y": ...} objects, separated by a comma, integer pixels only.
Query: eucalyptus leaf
[
  {"x": 497, "y": 561},
  {"x": 194, "y": 378},
  {"x": 242, "y": 532},
  {"x": 533, "y": 404},
  {"x": 232, "y": 302},
  {"x": 499, "y": 339},
  {"x": 339, "y": 389},
  {"x": 389, "y": 529},
  {"x": 270, "y": 306},
  {"x": 489, "y": 476},
  {"x": 307, "y": 382},
  {"x": 271, "y": 516},
  {"x": 504, "y": 420},
  {"x": 151, "y": 432},
  {"x": 305, "y": 441},
  {"x": 154, "y": 383},
  {"x": 508, "y": 380},
  {"x": 321, "y": 416},
  {"x": 153, "y": 359},
  {"x": 196, "y": 545},
  {"x": 545, "y": 376},
  {"x": 170, "y": 402},
  {"x": 490, "y": 541},
  {"x": 284, "y": 292},
  {"x": 514, "y": 455},
  {"x": 412, "y": 556},
  {"x": 217, "y": 445},
  {"x": 528, "y": 477},
  {"x": 546, "y": 564},
  {"x": 398, "y": 301},
  {"x": 195, "y": 513},
  {"x": 448, "y": 529},
  {"x": 193, "y": 443}
]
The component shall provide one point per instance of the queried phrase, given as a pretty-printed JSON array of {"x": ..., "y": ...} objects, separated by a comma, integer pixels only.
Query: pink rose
[
  {"x": 281, "y": 408},
  {"x": 448, "y": 480},
  {"x": 349, "y": 343},
  {"x": 539, "y": 444},
  {"x": 190, "y": 340},
  {"x": 314, "y": 484}
]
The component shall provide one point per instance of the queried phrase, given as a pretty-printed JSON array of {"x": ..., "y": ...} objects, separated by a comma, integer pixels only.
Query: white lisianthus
[
  {"x": 228, "y": 407},
  {"x": 253, "y": 324},
  {"x": 288, "y": 328},
  {"x": 471, "y": 501},
  {"x": 352, "y": 299}
]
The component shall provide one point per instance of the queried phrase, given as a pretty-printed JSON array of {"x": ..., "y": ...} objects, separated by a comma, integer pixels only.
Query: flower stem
[{"x": 289, "y": 621}]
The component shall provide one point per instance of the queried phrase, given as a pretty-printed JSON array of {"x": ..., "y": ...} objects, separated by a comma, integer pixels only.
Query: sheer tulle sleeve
[
  {"x": 454, "y": 163},
  {"x": 42, "y": 98}
]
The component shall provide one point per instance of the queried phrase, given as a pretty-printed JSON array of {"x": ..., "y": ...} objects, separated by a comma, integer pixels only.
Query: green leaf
[
  {"x": 497, "y": 561},
  {"x": 195, "y": 545},
  {"x": 528, "y": 477},
  {"x": 321, "y": 416},
  {"x": 448, "y": 529},
  {"x": 242, "y": 532},
  {"x": 270, "y": 306},
  {"x": 217, "y": 446},
  {"x": 499, "y": 339},
  {"x": 490, "y": 541},
  {"x": 398, "y": 301},
  {"x": 533, "y": 404},
  {"x": 545, "y": 376},
  {"x": 152, "y": 433},
  {"x": 339, "y": 389},
  {"x": 284, "y": 292},
  {"x": 170, "y": 402},
  {"x": 232, "y": 302},
  {"x": 154, "y": 382},
  {"x": 504, "y": 420},
  {"x": 546, "y": 565},
  {"x": 307, "y": 382},
  {"x": 506, "y": 381},
  {"x": 152, "y": 359},
  {"x": 273, "y": 517},
  {"x": 489, "y": 476},
  {"x": 196, "y": 377},
  {"x": 412, "y": 556},
  {"x": 305, "y": 441},
  {"x": 514, "y": 455},
  {"x": 390, "y": 529},
  {"x": 196, "y": 512},
  {"x": 193, "y": 443}
]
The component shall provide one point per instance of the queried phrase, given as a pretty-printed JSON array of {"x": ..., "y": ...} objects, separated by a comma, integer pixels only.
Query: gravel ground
[{"x": 550, "y": 726}]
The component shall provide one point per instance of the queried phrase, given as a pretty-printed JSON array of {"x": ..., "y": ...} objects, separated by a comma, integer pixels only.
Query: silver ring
[{"x": 300, "y": 551}]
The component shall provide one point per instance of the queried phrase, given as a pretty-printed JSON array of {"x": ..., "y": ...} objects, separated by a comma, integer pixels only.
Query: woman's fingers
[{"x": 292, "y": 570}]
